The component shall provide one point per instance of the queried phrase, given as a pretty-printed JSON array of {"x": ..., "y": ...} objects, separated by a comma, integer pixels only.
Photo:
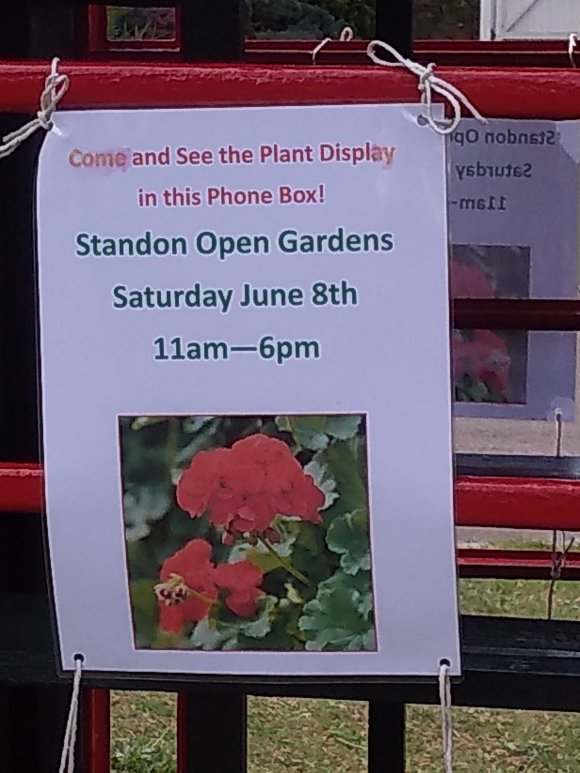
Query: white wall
[{"x": 521, "y": 19}]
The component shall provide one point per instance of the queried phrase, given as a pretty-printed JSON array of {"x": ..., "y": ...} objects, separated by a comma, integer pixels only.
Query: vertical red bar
[
  {"x": 96, "y": 729},
  {"x": 97, "y": 29},
  {"x": 181, "y": 732}
]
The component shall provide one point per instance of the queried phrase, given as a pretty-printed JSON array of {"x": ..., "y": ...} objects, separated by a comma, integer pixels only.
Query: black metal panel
[
  {"x": 32, "y": 722},
  {"x": 394, "y": 24},
  {"x": 54, "y": 29},
  {"x": 216, "y": 734},
  {"x": 13, "y": 31},
  {"x": 212, "y": 31},
  {"x": 518, "y": 466},
  {"x": 386, "y": 737},
  {"x": 18, "y": 358}
]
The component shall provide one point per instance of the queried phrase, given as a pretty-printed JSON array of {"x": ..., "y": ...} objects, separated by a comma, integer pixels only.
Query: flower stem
[{"x": 285, "y": 563}]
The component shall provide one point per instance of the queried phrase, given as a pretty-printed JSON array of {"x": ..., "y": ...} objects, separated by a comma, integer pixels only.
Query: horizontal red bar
[
  {"x": 508, "y": 503},
  {"x": 517, "y": 503},
  {"x": 448, "y": 53},
  {"x": 514, "y": 564},
  {"x": 21, "y": 488},
  {"x": 531, "y": 93},
  {"x": 516, "y": 314}
]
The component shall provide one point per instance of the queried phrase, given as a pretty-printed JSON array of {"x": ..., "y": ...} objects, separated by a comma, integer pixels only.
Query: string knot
[
  {"x": 55, "y": 87},
  {"x": 425, "y": 79},
  {"x": 428, "y": 84}
]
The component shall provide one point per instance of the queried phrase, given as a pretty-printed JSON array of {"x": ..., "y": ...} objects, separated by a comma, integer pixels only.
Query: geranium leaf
[
  {"x": 349, "y": 537},
  {"x": 308, "y": 431},
  {"x": 323, "y": 480},
  {"x": 144, "y": 608},
  {"x": 217, "y": 634},
  {"x": 141, "y": 508},
  {"x": 343, "y": 427},
  {"x": 347, "y": 469},
  {"x": 333, "y": 619}
]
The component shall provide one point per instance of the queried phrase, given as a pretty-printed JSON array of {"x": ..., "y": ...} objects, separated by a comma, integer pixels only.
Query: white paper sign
[{"x": 246, "y": 391}]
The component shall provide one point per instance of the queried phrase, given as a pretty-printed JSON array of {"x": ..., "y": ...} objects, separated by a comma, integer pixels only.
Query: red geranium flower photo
[
  {"x": 243, "y": 488},
  {"x": 190, "y": 586},
  {"x": 248, "y": 533}
]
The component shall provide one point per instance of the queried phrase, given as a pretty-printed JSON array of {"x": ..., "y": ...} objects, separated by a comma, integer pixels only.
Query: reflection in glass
[
  {"x": 307, "y": 19},
  {"x": 127, "y": 24},
  {"x": 446, "y": 20},
  {"x": 490, "y": 366}
]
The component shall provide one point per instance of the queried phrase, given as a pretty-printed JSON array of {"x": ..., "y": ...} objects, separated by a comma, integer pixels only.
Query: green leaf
[
  {"x": 203, "y": 439},
  {"x": 323, "y": 480},
  {"x": 142, "y": 566},
  {"x": 145, "y": 612},
  {"x": 146, "y": 421},
  {"x": 346, "y": 467},
  {"x": 193, "y": 424},
  {"x": 314, "y": 433},
  {"x": 349, "y": 537},
  {"x": 308, "y": 431},
  {"x": 143, "y": 507},
  {"x": 334, "y": 619},
  {"x": 218, "y": 634},
  {"x": 343, "y": 427}
]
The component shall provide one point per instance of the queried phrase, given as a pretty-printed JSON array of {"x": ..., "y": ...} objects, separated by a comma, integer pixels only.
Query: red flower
[
  {"x": 245, "y": 487},
  {"x": 469, "y": 281},
  {"x": 241, "y": 580},
  {"x": 190, "y": 586},
  {"x": 204, "y": 476},
  {"x": 484, "y": 358},
  {"x": 187, "y": 590}
]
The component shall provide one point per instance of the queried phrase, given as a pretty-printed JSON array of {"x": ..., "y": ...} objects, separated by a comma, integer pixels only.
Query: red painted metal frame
[
  {"x": 182, "y": 750},
  {"x": 21, "y": 488},
  {"x": 454, "y": 53},
  {"x": 516, "y": 314},
  {"x": 96, "y": 731},
  {"x": 508, "y": 503},
  {"x": 491, "y": 563},
  {"x": 502, "y": 93}
]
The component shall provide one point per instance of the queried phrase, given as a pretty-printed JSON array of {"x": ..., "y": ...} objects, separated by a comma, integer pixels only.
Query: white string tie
[
  {"x": 55, "y": 87},
  {"x": 559, "y": 430},
  {"x": 572, "y": 43},
  {"x": 446, "y": 715},
  {"x": 67, "y": 760},
  {"x": 429, "y": 83},
  {"x": 346, "y": 35}
]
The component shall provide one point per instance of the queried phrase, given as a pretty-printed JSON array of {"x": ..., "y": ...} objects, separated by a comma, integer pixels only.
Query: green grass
[{"x": 303, "y": 736}]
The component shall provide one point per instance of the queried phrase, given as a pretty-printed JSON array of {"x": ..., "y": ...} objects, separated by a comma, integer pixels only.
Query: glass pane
[
  {"x": 446, "y": 20},
  {"x": 511, "y": 239},
  {"x": 545, "y": 379},
  {"x": 299, "y": 20},
  {"x": 129, "y": 24}
]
